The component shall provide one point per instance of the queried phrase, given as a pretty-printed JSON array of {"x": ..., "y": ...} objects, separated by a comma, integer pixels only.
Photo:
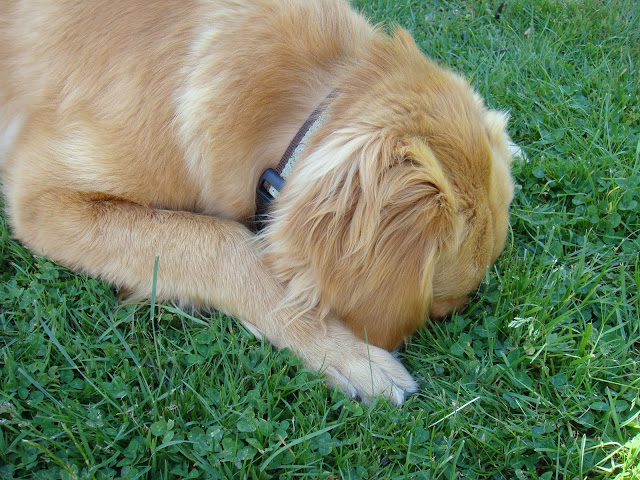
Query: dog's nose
[{"x": 441, "y": 307}]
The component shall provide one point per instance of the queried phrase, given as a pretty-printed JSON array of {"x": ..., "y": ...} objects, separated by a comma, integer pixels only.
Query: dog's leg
[{"x": 204, "y": 261}]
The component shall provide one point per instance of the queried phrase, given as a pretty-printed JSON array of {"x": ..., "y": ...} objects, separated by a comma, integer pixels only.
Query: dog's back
[{"x": 102, "y": 76}]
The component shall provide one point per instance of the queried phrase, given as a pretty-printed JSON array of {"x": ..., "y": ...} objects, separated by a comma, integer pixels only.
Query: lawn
[{"x": 538, "y": 378}]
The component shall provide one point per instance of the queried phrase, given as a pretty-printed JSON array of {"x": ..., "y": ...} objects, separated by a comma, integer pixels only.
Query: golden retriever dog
[{"x": 137, "y": 130}]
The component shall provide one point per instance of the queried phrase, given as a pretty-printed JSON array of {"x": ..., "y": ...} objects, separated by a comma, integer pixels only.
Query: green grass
[{"x": 539, "y": 378}]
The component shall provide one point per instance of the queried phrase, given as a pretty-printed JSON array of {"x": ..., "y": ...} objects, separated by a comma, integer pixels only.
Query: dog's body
[{"x": 132, "y": 130}]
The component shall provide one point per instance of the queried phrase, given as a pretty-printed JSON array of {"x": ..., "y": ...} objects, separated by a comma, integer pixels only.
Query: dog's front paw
[
  {"x": 360, "y": 370},
  {"x": 367, "y": 372}
]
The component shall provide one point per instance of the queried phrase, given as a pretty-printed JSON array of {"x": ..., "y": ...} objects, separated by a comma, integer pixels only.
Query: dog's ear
[
  {"x": 364, "y": 237},
  {"x": 423, "y": 190},
  {"x": 404, "y": 213},
  {"x": 426, "y": 187},
  {"x": 495, "y": 124},
  {"x": 405, "y": 193}
]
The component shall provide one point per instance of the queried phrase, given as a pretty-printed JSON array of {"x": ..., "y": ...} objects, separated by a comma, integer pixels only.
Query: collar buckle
[
  {"x": 272, "y": 180},
  {"x": 269, "y": 187}
]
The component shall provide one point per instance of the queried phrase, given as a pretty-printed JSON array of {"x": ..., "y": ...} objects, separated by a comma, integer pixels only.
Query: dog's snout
[{"x": 442, "y": 307}]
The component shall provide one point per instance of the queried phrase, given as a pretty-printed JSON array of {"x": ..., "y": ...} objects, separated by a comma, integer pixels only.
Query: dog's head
[{"x": 400, "y": 202}]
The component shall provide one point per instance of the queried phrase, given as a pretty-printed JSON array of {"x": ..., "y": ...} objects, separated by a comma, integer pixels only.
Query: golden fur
[{"x": 133, "y": 129}]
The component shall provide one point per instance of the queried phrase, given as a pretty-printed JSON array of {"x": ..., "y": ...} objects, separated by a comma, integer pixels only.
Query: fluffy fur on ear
[{"x": 375, "y": 224}]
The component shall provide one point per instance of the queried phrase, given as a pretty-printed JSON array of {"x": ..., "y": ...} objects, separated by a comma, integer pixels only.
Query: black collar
[{"x": 272, "y": 180}]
